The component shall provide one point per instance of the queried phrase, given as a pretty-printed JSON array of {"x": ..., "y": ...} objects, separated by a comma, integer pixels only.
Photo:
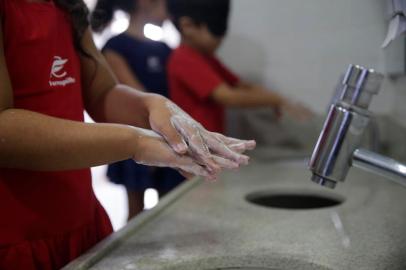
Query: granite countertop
[{"x": 203, "y": 226}]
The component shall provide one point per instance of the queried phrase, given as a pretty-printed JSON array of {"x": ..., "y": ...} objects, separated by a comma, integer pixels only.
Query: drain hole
[{"x": 294, "y": 200}]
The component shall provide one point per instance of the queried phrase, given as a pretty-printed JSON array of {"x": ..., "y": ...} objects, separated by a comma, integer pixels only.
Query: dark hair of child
[
  {"x": 213, "y": 13},
  {"x": 104, "y": 12}
]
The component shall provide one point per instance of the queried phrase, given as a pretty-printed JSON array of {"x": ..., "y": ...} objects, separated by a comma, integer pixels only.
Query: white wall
[{"x": 301, "y": 47}]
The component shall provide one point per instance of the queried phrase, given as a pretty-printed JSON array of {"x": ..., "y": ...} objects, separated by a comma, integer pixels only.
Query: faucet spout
[
  {"x": 381, "y": 165},
  {"x": 322, "y": 181},
  {"x": 337, "y": 148}
]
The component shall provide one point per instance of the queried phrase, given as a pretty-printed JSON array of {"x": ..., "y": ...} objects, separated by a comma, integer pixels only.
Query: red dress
[
  {"x": 192, "y": 79},
  {"x": 46, "y": 218}
]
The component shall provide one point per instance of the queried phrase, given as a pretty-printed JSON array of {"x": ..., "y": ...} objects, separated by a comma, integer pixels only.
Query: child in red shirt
[{"x": 199, "y": 82}]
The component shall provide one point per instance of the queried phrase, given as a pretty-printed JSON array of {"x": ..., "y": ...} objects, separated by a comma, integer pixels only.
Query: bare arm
[
  {"x": 247, "y": 86},
  {"x": 122, "y": 71},
  {"x": 240, "y": 97},
  {"x": 32, "y": 141},
  {"x": 248, "y": 95},
  {"x": 105, "y": 99},
  {"x": 37, "y": 142}
]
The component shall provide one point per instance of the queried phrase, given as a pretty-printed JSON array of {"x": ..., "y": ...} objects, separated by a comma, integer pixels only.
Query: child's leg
[{"x": 135, "y": 202}]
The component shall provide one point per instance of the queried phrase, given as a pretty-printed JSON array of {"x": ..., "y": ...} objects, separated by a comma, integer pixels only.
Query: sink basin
[
  {"x": 209, "y": 227},
  {"x": 295, "y": 199},
  {"x": 248, "y": 262}
]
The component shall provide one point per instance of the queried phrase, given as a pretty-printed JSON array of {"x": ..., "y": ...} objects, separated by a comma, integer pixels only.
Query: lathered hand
[{"x": 212, "y": 151}]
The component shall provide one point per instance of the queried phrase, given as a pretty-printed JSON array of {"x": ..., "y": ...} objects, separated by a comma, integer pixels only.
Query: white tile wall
[{"x": 301, "y": 47}]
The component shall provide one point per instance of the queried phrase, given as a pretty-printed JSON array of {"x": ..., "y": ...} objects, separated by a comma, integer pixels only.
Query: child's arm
[
  {"x": 34, "y": 141},
  {"x": 105, "y": 99},
  {"x": 244, "y": 85},
  {"x": 122, "y": 71},
  {"x": 249, "y": 95},
  {"x": 240, "y": 97},
  {"x": 108, "y": 101}
]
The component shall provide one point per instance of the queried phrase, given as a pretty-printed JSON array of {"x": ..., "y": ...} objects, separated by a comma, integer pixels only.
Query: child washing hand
[
  {"x": 211, "y": 152},
  {"x": 140, "y": 63},
  {"x": 46, "y": 149},
  {"x": 199, "y": 83}
]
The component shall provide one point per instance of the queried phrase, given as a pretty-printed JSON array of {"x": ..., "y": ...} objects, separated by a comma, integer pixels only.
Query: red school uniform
[
  {"x": 46, "y": 218},
  {"x": 192, "y": 79}
]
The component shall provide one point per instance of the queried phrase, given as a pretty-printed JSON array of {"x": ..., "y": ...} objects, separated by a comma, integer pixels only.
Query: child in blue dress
[{"x": 140, "y": 63}]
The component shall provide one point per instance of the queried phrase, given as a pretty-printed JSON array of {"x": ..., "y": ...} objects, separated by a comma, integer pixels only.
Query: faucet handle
[{"x": 359, "y": 85}]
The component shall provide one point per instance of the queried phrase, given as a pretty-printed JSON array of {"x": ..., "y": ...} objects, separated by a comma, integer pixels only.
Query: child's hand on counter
[
  {"x": 153, "y": 150},
  {"x": 297, "y": 111},
  {"x": 212, "y": 151}
]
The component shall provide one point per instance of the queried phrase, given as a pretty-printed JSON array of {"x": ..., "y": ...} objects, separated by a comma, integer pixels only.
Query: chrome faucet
[{"x": 338, "y": 147}]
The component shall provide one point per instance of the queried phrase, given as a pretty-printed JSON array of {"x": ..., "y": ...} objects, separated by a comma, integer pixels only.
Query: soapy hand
[
  {"x": 153, "y": 150},
  {"x": 212, "y": 151}
]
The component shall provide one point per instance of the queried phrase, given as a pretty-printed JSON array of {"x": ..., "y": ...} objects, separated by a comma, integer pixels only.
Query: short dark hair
[
  {"x": 104, "y": 12},
  {"x": 213, "y": 13}
]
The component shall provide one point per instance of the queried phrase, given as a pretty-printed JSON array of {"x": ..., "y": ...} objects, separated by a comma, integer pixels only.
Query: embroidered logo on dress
[{"x": 59, "y": 74}]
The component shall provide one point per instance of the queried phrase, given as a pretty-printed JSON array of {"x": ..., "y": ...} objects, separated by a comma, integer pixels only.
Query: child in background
[
  {"x": 199, "y": 83},
  {"x": 140, "y": 63}
]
